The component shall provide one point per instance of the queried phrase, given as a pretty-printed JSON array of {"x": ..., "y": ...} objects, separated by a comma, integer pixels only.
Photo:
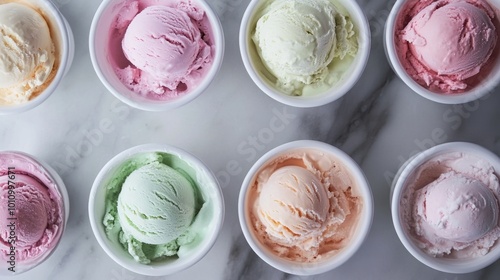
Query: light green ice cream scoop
[
  {"x": 152, "y": 207},
  {"x": 156, "y": 204}
]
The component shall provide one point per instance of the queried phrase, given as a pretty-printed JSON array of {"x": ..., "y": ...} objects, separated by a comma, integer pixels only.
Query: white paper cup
[
  {"x": 99, "y": 53},
  {"x": 23, "y": 266},
  {"x": 62, "y": 36},
  {"x": 253, "y": 62},
  {"x": 482, "y": 89},
  {"x": 326, "y": 263},
  {"x": 399, "y": 186},
  {"x": 213, "y": 219}
]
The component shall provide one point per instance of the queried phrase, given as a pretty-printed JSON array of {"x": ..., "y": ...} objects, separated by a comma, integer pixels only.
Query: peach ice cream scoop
[
  {"x": 293, "y": 204},
  {"x": 304, "y": 205}
]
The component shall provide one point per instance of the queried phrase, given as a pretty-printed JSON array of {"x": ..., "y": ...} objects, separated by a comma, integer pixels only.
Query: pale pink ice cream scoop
[
  {"x": 165, "y": 43},
  {"x": 458, "y": 208},
  {"x": 450, "y": 206},
  {"x": 161, "y": 49},
  {"x": 447, "y": 42}
]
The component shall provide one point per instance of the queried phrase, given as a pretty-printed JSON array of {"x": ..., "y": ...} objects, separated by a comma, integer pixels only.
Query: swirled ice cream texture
[
  {"x": 306, "y": 45},
  {"x": 451, "y": 206},
  {"x": 304, "y": 205}
]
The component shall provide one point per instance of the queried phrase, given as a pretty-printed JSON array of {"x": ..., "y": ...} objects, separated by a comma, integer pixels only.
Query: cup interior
[
  {"x": 266, "y": 81},
  {"x": 489, "y": 80},
  {"x": 104, "y": 66},
  {"x": 327, "y": 263},
  {"x": 406, "y": 172},
  {"x": 189, "y": 254}
]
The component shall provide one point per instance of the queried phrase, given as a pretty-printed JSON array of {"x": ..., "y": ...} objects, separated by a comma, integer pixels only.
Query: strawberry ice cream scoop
[
  {"x": 458, "y": 208},
  {"x": 161, "y": 50},
  {"x": 453, "y": 39},
  {"x": 447, "y": 46},
  {"x": 33, "y": 206},
  {"x": 163, "y": 42}
]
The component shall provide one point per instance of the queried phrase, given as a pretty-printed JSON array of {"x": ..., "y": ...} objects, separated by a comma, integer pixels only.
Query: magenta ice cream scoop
[{"x": 32, "y": 211}]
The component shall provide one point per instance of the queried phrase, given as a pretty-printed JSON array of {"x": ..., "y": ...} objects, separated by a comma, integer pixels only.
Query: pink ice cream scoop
[
  {"x": 447, "y": 42},
  {"x": 451, "y": 206},
  {"x": 33, "y": 206},
  {"x": 458, "y": 208},
  {"x": 31, "y": 210},
  {"x": 161, "y": 50},
  {"x": 166, "y": 44}
]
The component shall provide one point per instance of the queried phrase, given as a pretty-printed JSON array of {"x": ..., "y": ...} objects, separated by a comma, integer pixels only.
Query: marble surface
[{"x": 380, "y": 123}]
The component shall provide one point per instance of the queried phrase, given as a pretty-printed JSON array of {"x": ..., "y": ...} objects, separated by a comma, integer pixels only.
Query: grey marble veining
[{"x": 380, "y": 123}]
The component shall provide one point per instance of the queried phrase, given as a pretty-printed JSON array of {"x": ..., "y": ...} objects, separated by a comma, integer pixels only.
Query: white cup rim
[
  {"x": 166, "y": 269},
  {"x": 441, "y": 264},
  {"x": 64, "y": 65},
  {"x": 363, "y": 226},
  {"x": 159, "y": 106},
  {"x": 475, "y": 93},
  {"x": 319, "y": 99}
]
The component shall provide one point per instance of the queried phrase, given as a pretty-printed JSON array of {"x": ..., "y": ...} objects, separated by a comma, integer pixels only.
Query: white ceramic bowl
[
  {"x": 65, "y": 47},
  {"x": 398, "y": 188},
  {"x": 48, "y": 171},
  {"x": 253, "y": 62},
  {"x": 485, "y": 87},
  {"x": 210, "y": 191},
  {"x": 328, "y": 263},
  {"x": 99, "y": 42}
]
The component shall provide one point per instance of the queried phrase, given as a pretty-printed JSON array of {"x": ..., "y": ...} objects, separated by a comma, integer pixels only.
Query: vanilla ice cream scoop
[
  {"x": 293, "y": 204},
  {"x": 458, "y": 208},
  {"x": 27, "y": 53},
  {"x": 156, "y": 204},
  {"x": 298, "y": 40}
]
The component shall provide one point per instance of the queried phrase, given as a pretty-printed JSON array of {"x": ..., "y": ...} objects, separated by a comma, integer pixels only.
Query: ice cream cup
[
  {"x": 65, "y": 48},
  {"x": 400, "y": 182},
  {"x": 51, "y": 174},
  {"x": 479, "y": 91},
  {"x": 211, "y": 193},
  {"x": 326, "y": 263},
  {"x": 99, "y": 53},
  {"x": 253, "y": 63}
]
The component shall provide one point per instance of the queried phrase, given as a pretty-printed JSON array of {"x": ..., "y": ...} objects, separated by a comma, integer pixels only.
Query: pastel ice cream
[
  {"x": 154, "y": 208},
  {"x": 304, "y": 205},
  {"x": 27, "y": 53},
  {"x": 31, "y": 211},
  {"x": 305, "y": 45},
  {"x": 451, "y": 206},
  {"x": 446, "y": 46},
  {"x": 161, "y": 50}
]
